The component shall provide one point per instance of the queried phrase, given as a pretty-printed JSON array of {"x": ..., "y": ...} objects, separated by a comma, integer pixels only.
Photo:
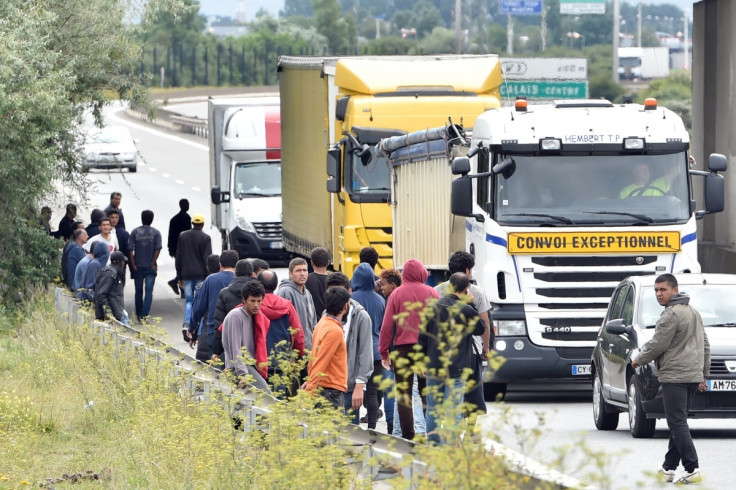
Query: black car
[{"x": 629, "y": 323}]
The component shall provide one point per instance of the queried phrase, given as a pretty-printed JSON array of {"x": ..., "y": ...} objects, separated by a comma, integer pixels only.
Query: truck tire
[
  {"x": 604, "y": 420},
  {"x": 494, "y": 391},
  {"x": 640, "y": 426}
]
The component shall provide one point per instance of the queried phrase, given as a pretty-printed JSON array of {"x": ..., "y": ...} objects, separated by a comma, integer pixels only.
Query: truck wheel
[
  {"x": 640, "y": 426},
  {"x": 494, "y": 391},
  {"x": 602, "y": 418}
]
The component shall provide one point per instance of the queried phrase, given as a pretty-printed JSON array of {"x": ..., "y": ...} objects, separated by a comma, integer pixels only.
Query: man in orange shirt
[{"x": 328, "y": 369}]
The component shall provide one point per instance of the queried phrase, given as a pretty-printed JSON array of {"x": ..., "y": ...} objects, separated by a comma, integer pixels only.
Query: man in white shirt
[{"x": 106, "y": 236}]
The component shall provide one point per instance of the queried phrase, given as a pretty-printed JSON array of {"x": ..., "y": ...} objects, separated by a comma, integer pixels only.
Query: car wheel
[
  {"x": 603, "y": 419},
  {"x": 133, "y": 169},
  {"x": 640, "y": 426},
  {"x": 494, "y": 391}
]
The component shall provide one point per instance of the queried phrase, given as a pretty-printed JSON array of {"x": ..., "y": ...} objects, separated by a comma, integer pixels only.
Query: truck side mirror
[
  {"x": 461, "y": 198},
  {"x": 715, "y": 186},
  {"x": 219, "y": 197},
  {"x": 461, "y": 166},
  {"x": 717, "y": 162},
  {"x": 505, "y": 167},
  {"x": 333, "y": 170}
]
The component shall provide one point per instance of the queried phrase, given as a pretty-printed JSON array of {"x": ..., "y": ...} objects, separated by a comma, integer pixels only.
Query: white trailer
[
  {"x": 643, "y": 63},
  {"x": 245, "y": 175}
]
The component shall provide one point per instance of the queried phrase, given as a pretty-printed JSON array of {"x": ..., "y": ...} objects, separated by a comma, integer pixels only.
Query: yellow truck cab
[{"x": 334, "y": 111}]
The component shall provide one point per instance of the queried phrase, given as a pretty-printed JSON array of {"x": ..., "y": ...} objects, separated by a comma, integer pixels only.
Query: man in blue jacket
[
  {"x": 205, "y": 300},
  {"x": 364, "y": 293}
]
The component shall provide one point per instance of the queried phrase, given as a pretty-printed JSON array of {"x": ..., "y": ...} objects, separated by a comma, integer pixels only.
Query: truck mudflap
[
  {"x": 250, "y": 245},
  {"x": 528, "y": 362}
]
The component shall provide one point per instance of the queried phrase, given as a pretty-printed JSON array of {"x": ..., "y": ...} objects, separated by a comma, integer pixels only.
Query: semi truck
[
  {"x": 336, "y": 191},
  {"x": 561, "y": 202},
  {"x": 245, "y": 174},
  {"x": 643, "y": 63}
]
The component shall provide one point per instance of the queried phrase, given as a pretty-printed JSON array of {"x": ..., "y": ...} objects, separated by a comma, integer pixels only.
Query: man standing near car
[{"x": 681, "y": 352}]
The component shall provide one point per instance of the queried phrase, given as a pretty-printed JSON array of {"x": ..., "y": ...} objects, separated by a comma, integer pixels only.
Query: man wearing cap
[
  {"x": 192, "y": 250},
  {"x": 109, "y": 289},
  {"x": 145, "y": 246}
]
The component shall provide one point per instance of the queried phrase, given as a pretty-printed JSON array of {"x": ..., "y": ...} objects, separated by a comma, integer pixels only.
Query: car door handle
[{"x": 610, "y": 347}]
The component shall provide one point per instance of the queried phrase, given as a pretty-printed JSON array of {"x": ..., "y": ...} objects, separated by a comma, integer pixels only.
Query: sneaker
[
  {"x": 667, "y": 476},
  {"x": 364, "y": 418},
  {"x": 174, "y": 285},
  {"x": 690, "y": 477}
]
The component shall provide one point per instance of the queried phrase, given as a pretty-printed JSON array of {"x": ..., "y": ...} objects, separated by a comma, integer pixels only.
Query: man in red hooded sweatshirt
[
  {"x": 400, "y": 332},
  {"x": 285, "y": 333}
]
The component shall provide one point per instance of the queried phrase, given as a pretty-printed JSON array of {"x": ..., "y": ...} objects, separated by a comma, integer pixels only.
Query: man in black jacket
[
  {"x": 109, "y": 289},
  {"x": 192, "y": 250},
  {"x": 180, "y": 223},
  {"x": 447, "y": 342}
]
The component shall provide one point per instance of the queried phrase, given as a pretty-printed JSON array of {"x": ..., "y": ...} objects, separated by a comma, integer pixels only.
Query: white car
[{"x": 110, "y": 147}]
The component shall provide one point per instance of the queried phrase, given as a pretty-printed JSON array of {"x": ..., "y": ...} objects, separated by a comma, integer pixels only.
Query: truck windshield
[
  {"x": 257, "y": 179},
  {"x": 618, "y": 190},
  {"x": 368, "y": 179}
]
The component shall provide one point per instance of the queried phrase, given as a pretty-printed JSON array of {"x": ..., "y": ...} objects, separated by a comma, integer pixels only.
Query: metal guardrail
[
  {"x": 191, "y": 125},
  {"x": 366, "y": 446}
]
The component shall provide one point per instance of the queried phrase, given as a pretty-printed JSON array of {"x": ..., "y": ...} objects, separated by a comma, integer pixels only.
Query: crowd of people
[{"x": 355, "y": 331}]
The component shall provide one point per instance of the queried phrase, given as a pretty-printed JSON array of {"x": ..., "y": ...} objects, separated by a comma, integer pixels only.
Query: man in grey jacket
[
  {"x": 295, "y": 291},
  {"x": 358, "y": 330},
  {"x": 681, "y": 353}
]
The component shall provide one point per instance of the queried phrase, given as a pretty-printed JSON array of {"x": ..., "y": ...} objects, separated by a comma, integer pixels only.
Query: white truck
[
  {"x": 245, "y": 174},
  {"x": 566, "y": 199},
  {"x": 643, "y": 63}
]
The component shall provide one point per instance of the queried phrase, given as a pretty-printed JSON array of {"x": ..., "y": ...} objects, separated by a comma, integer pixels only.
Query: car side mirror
[{"x": 617, "y": 327}]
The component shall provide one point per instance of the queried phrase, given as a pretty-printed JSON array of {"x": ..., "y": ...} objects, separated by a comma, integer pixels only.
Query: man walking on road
[
  {"x": 145, "y": 246},
  {"x": 180, "y": 223},
  {"x": 294, "y": 290},
  {"x": 192, "y": 250},
  {"x": 400, "y": 329},
  {"x": 681, "y": 352}
]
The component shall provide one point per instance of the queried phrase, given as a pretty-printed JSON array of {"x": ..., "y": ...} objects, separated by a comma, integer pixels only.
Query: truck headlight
[
  {"x": 245, "y": 225},
  {"x": 511, "y": 327}
]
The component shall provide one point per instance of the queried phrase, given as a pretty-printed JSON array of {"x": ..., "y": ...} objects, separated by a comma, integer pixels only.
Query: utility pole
[
  {"x": 509, "y": 34},
  {"x": 686, "y": 65},
  {"x": 543, "y": 28},
  {"x": 458, "y": 23},
  {"x": 638, "y": 26},
  {"x": 616, "y": 13}
]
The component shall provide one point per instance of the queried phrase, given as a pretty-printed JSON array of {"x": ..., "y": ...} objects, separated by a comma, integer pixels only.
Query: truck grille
[
  {"x": 570, "y": 294},
  {"x": 269, "y": 230}
]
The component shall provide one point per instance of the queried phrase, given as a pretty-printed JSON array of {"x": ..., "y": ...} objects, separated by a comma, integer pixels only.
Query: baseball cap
[
  {"x": 198, "y": 219},
  {"x": 118, "y": 257}
]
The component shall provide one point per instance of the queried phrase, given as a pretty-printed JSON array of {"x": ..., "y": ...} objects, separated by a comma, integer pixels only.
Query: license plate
[
  {"x": 581, "y": 370},
  {"x": 277, "y": 244},
  {"x": 722, "y": 385}
]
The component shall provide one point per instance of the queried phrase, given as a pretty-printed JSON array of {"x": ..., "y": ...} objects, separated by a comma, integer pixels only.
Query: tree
[
  {"x": 301, "y": 8},
  {"x": 57, "y": 60},
  {"x": 338, "y": 28}
]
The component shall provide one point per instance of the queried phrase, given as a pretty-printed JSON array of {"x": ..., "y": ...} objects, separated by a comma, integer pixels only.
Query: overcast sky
[{"x": 228, "y": 7}]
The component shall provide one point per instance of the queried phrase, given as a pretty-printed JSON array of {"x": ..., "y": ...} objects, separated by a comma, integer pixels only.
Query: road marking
[
  {"x": 160, "y": 134},
  {"x": 166, "y": 175},
  {"x": 196, "y": 189},
  {"x": 152, "y": 169},
  {"x": 179, "y": 181}
]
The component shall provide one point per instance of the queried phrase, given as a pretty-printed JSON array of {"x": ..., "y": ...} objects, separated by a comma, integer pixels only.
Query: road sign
[
  {"x": 577, "y": 7},
  {"x": 545, "y": 68},
  {"x": 545, "y": 89},
  {"x": 520, "y": 7}
]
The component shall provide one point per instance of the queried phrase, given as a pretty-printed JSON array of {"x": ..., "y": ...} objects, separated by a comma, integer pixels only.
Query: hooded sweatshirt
[
  {"x": 229, "y": 297},
  {"x": 364, "y": 293},
  {"x": 412, "y": 291},
  {"x": 283, "y": 317},
  {"x": 101, "y": 253},
  {"x": 304, "y": 305},
  {"x": 679, "y": 346}
]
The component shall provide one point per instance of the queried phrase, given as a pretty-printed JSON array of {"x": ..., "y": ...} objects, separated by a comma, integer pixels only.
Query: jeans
[
  {"x": 373, "y": 395},
  {"x": 147, "y": 276},
  {"x": 419, "y": 422},
  {"x": 444, "y": 401},
  {"x": 335, "y": 397},
  {"x": 189, "y": 286},
  {"x": 677, "y": 398},
  {"x": 404, "y": 380},
  {"x": 354, "y": 415},
  {"x": 389, "y": 401}
]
